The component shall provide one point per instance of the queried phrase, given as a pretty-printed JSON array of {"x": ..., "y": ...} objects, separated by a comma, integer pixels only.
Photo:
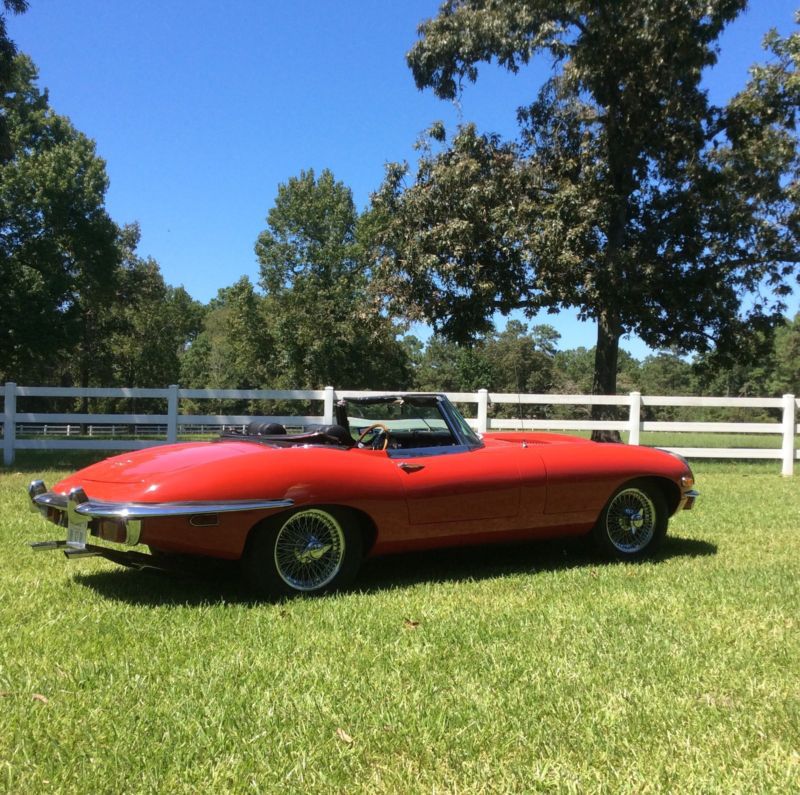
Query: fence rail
[{"x": 103, "y": 427}]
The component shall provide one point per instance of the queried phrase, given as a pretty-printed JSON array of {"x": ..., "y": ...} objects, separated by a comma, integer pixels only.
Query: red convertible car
[{"x": 396, "y": 473}]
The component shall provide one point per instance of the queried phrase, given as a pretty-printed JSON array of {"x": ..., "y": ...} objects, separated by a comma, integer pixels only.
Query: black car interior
[{"x": 340, "y": 434}]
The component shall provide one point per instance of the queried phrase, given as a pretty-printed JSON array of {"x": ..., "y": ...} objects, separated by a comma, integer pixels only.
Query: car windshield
[
  {"x": 413, "y": 421},
  {"x": 400, "y": 415}
]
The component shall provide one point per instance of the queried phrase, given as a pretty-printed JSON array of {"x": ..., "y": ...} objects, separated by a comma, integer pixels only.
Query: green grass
[
  {"x": 514, "y": 669},
  {"x": 693, "y": 439},
  {"x": 673, "y": 439}
]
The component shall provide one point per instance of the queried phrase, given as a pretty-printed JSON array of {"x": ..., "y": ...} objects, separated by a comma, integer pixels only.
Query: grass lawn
[{"x": 515, "y": 669}]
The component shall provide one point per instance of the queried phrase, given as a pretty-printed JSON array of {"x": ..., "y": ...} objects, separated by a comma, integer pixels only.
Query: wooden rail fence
[{"x": 167, "y": 425}]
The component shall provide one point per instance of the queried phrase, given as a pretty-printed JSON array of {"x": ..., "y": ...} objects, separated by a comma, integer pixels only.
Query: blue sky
[{"x": 202, "y": 108}]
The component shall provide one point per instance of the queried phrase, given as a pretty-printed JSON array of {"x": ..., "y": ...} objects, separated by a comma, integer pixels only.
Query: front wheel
[
  {"x": 311, "y": 550},
  {"x": 633, "y": 523}
]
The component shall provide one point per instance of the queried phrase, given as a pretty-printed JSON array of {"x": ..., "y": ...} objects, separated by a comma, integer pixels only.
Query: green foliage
[
  {"x": 317, "y": 321},
  {"x": 151, "y": 324},
  {"x": 573, "y": 370},
  {"x": 514, "y": 360},
  {"x": 776, "y": 373},
  {"x": 627, "y": 195},
  {"x": 8, "y": 51},
  {"x": 786, "y": 376},
  {"x": 234, "y": 350},
  {"x": 328, "y": 325},
  {"x": 450, "y": 244},
  {"x": 666, "y": 374},
  {"x": 58, "y": 246},
  {"x": 523, "y": 360},
  {"x": 78, "y": 305}
]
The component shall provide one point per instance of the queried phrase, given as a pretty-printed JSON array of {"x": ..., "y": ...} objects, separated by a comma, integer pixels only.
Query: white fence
[{"x": 13, "y": 421}]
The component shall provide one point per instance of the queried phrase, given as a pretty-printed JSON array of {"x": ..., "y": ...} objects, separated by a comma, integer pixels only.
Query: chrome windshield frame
[{"x": 450, "y": 414}]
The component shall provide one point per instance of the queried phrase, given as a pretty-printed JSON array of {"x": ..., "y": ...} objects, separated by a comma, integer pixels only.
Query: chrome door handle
[{"x": 411, "y": 467}]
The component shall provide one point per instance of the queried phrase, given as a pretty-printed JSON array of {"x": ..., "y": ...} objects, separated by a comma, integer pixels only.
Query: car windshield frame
[{"x": 465, "y": 439}]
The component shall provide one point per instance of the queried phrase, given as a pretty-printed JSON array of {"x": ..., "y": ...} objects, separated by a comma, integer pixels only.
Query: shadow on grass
[
  {"x": 220, "y": 583},
  {"x": 217, "y": 583},
  {"x": 502, "y": 560}
]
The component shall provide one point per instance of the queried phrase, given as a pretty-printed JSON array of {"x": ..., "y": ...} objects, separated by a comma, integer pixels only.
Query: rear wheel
[
  {"x": 633, "y": 523},
  {"x": 311, "y": 550}
]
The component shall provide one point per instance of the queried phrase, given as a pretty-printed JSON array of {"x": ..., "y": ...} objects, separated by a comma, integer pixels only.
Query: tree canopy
[
  {"x": 8, "y": 51},
  {"x": 78, "y": 305},
  {"x": 327, "y": 325},
  {"x": 58, "y": 245},
  {"x": 627, "y": 195}
]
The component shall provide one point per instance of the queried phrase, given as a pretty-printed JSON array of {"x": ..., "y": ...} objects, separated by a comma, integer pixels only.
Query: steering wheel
[{"x": 376, "y": 426}]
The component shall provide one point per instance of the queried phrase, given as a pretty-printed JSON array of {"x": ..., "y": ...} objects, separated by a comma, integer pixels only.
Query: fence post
[
  {"x": 327, "y": 411},
  {"x": 483, "y": 410},
  {"x": 172, "y": 413},
  {"x": 10, "y": 424},
  {"x": 635, "y": 418},
  {"x": 787, "y": 448}
]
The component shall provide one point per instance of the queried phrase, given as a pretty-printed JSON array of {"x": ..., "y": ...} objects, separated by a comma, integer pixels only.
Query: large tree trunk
[{"x": 604, "y": 382}]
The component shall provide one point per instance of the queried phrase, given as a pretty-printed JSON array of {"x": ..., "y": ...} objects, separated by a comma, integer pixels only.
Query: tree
[
  {"x": 786, "y": 378},
  {"x": 447, "y": 366},
  {"x": 627, "y": 196},
  {"x": 150, "y": 324},
  {"x": 78, "y": 304},
  {"x": 517, "y": 359},
  {"x": 59, "y": 251},
  {"x": 522, "y": 359},
  {"x": 323, "y": 314},
  {"x": 235, "y": 349},
  {"x": 572, "y": 375},
  {"x": 8, "y": 51},
  {"x": 666, "y": 374},
  {"x": 776, "y": 372}
]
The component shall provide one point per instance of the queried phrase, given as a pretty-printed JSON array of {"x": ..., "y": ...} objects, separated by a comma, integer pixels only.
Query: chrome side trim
[
  {"x": 428, "y": 452},
  {"x": 134, "y": 510}
]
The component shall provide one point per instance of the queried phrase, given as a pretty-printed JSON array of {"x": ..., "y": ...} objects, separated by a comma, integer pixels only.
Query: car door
[{"x": 460, "y": 485}]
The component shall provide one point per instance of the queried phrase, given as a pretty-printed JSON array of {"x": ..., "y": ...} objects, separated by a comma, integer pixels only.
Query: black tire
[
  {"x": 633, "y": 522},
  {"x": 310, "y": 550}
]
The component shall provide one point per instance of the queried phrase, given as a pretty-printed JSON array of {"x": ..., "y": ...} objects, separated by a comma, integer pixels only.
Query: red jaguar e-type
[{"x": 396, "y": 473}]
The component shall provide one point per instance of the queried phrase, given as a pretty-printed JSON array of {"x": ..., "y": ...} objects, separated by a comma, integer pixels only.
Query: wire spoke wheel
[
  {"x": 309, "y": 550},
  {"x": 631, "y": 520}
]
